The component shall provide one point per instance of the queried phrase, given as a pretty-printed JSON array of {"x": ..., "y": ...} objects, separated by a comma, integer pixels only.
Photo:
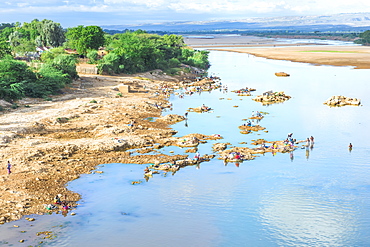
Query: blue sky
[{"x": 105, "y": 12}]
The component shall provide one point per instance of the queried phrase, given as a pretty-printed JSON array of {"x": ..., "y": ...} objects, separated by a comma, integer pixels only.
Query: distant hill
[{"x": 339, "y": 22}]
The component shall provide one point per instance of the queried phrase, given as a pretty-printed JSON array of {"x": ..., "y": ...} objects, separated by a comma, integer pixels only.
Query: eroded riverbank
[{"x": 52, "y": 143}]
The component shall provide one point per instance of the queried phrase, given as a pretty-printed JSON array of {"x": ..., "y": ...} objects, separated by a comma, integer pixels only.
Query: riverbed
[{"x": 316, "y": 196}]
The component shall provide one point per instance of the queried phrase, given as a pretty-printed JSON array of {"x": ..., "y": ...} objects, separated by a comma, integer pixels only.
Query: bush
[
  {"x": 92, "y": 56},
  {"x": 14, "y": 76},
  {"x": 173, "y": 62},
  {"x": 14, "y": 106},
  {"x": 172, "y": 71},
  {"x": 110, "y": 64},
  {"x": 49, "y": 55},
  {"x": 67, "y": 64}
]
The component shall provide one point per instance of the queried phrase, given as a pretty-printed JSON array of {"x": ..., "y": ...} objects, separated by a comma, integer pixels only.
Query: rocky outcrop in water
[
  {"x": 271, "y": 97},
  {"x": 342, "y": 101}
]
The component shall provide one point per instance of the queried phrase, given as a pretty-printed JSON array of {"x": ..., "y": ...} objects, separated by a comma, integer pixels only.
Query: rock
[
  {"x": 270, "y": 97},
  {"x": 172, "y": 118},
  {"x": 342, "y": 101},
  {"x": 62, "y": 120},
  {"x": 4, "y": 103},
  {"x": 282, "y": 74},
  {"x": 219, "y": 147}
]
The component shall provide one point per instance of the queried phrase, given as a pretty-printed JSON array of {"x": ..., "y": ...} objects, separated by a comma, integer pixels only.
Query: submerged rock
[
  {"x": 271, "y": 97},
  {"x": 283, "y": 74},
  {"x": 342, "y": 101}
]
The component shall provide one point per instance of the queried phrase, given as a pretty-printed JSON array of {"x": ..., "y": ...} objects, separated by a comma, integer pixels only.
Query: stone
[{"x": 124, "y": 88}]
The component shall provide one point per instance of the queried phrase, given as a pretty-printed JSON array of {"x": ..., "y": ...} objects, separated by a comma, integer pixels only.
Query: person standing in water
[
  {"x": 312, "y": 139},
  {"x": 350, "y": 147}
]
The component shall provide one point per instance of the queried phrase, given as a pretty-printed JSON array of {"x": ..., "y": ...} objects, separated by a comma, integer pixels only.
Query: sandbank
[
  {"x": 311, "y": 52},
  {"x": 356, "y": 56}
]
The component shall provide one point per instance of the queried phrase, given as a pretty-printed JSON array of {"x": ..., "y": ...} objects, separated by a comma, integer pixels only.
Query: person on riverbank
[
  {"x": 9, "y": 167},
  {"x": 57, "y": 200}
]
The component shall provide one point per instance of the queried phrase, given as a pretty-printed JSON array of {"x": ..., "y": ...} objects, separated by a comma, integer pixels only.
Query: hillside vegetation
[{"x": 54, "y": 53}]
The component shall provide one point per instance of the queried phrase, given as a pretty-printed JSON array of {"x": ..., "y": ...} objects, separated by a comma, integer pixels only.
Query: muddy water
[{"x": 314, "y": 197}]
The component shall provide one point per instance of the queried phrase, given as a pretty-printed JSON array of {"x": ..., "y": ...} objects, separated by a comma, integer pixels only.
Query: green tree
[
  {"x": 5, "y": 48},
  {"x": 52, "y": 34},
  {"x": 48, "y": 56},
  {"x": 50, "y": 81},
  {"x": 110, "y": 64},
  {"x": 85, "y": 38},
  {"x": 14, "y": 77},
  {"x": 92, "y": 56},
  {"x": 66, "y": 64},
  {"x": 364, "y": 38}
]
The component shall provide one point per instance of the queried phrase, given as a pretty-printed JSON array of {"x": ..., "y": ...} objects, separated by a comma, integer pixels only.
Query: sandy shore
[
  {"x": 218, "y": 40},
  {"x": 356, "y": 56}
]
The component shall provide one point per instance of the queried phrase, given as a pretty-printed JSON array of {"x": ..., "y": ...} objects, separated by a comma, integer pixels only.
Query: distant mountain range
[{"x": 337, "y": 22}]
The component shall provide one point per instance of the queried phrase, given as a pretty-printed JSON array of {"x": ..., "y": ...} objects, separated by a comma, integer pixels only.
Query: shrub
[
  {"x": 110, "y": 64},
  {"x": 47, "y": 98},
  {"x": 92, "y": 56},
  {"x": 14, "y": 106}
]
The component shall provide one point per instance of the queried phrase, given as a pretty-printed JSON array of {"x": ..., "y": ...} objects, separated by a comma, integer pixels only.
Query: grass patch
[
  {"x": 331, "y": 51},
  {"x": 142, "y": 78}
]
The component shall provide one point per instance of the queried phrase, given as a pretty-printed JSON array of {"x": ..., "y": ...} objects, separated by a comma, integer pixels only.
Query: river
[{"x": 312, "y": 197}]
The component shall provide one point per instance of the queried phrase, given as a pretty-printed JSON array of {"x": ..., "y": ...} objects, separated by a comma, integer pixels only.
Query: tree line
[
  {"x": 128, "y": 52},
  {"x": 364, "y": 38}
]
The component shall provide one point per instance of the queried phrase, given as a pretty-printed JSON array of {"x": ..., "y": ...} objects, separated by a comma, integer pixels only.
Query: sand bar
[{"x": 356, "y": 56}]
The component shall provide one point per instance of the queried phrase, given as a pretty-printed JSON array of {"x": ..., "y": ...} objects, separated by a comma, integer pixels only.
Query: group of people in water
[
  {"x": 256, "y": 115},
  {"x": 205, "y": 108},
  {"x": 244, "y": 91},
  {"x": 209, "y": 84},
  {"x": 57, "y": 201}
]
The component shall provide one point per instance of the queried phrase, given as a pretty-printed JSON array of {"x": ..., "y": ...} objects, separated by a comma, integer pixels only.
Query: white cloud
[
  {"x": 171, "y": 10},
  {"x": 146, "y": 3}
]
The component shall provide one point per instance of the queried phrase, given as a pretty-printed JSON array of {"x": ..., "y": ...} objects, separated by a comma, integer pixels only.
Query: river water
[{"x": 312, "y": 197}]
